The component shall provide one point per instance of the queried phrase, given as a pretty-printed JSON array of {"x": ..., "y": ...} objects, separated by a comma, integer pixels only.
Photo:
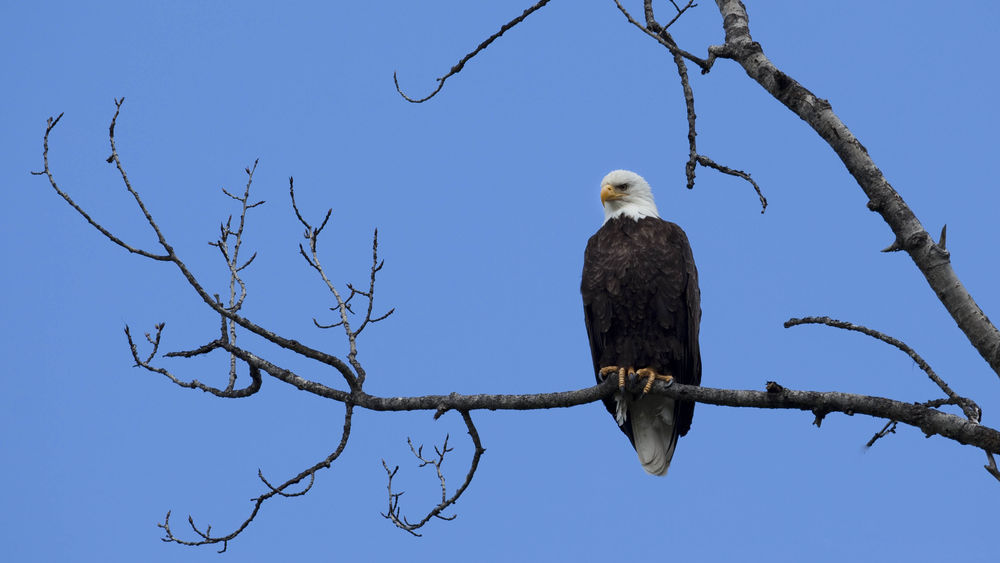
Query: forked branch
[
  {"x": 659, "y": 32},
  {"x": 393, "y": 513}
]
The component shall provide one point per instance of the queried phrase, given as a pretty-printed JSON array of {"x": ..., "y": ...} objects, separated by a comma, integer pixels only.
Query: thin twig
[
  {"x": 705, "y": 65},
  {"x": 705, "y": 161},
  {"x": 662, "y": 36},
  {"x": 461, "y": 64},
  {"x": 206, "y": 534},
  {"x": 232, "y": 261},
  {"x": 47, "y": 171},
  {"x": 970, "y": 408},
  {"x": 889, "y": 428},
  {"x": 354, "y": 380}
]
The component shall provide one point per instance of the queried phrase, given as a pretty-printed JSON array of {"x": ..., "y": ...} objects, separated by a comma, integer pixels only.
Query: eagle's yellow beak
[{"x": 608, "y": 192}]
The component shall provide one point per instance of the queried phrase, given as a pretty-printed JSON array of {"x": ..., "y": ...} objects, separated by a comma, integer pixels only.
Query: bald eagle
[{"x": 642, "y": 308}]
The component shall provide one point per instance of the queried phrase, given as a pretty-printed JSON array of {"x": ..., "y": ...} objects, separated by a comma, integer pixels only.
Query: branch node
[
  {"x": 820, "y": 415},
  {"x": 991, "y": 466},
  {"x": 896, "y": 246}
]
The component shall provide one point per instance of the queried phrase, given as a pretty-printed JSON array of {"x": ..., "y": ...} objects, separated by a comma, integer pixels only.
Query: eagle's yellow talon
[
  {"x": 607, "y": 371},
  {"x": 652, "y": 376}
]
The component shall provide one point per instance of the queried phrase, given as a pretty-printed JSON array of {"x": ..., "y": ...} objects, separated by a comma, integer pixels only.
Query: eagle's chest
[{"x": 625, "y": 265}]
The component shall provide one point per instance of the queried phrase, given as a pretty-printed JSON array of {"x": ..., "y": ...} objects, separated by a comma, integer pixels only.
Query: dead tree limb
[
  {"x": 933, "y": 260},
  {"x": 468, "y": 57}
]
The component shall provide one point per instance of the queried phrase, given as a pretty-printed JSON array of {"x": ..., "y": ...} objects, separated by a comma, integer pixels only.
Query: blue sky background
[{"x": 484, "y": 198}]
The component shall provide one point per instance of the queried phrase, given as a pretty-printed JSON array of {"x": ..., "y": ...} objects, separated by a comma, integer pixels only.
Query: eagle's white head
[{"x": 626, "y": 194}]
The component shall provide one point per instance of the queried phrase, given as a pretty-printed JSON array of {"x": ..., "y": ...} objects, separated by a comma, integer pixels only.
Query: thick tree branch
[
  {"x": 932, "y": 259},
  {"x": 931, "y": 421}
]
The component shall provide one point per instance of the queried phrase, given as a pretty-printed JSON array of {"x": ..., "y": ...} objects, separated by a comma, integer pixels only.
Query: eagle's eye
[{"x": 624, "y": 187}]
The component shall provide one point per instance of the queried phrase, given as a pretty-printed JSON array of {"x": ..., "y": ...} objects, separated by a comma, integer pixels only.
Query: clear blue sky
[{"x": 484, "y": 198}]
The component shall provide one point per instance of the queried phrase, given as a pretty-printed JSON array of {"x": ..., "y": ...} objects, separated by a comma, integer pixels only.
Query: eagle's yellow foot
[
  {"x": 652, "y": 376},
  {"x": 606, "y": 371}
]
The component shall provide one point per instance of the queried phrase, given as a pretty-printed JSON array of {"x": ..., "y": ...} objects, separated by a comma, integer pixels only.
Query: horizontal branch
[{"x": 929, "y": 420}]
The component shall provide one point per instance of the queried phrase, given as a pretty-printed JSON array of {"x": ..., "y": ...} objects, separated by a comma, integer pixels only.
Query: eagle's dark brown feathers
[{"x": 642, "y": 305}]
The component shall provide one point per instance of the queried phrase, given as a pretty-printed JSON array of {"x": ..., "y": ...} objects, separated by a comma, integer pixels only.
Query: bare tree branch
[
  {"x": 206, "y": 534},
  {"x": 393, "y": 512},
  {"x": 229, "y": 392},
  {"x": 660, "y": 33},
  {"x": 970, "y": 408},
  {"x": 705, "y": 64},
  {"x": 47, "y": 171},
  {"x": 933, "y": 260},
  {"x": 172, "y": 256},
  {"x": 232, "y": 261},
  {"x": 461, "y": 64},
  {"x": 312, "y": 258}
]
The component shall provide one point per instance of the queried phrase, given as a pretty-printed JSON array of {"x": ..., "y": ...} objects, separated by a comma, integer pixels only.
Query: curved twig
[
  {"x": 229, "y": 392},
  {"x": 206, "y": 534},
  {"x": 969, "y": 407},
  {"x": 461, "y": 64}
]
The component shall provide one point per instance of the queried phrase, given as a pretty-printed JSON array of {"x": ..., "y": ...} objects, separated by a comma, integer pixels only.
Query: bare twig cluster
[
  {"x": 229, "y": 244},
  {"x": 393, "y": 513}
]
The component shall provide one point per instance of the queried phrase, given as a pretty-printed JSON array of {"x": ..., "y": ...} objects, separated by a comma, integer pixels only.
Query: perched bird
[{"x": 642, "y": 308}]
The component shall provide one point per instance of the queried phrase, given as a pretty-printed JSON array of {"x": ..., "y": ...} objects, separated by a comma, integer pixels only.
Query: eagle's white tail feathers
[
  {"x": 621, "y": 409},
  {"x": 653, "y": 431}
]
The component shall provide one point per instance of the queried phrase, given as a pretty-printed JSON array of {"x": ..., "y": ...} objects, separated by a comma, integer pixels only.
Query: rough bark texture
[{"x": 932, "y": 259}]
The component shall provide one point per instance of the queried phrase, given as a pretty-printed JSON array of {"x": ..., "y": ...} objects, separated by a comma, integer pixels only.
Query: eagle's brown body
[{"x": 642, "y": 309}]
